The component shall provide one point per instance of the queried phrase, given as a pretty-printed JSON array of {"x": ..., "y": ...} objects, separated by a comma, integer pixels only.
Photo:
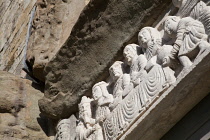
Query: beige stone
[
  {"x": 19, "y": 113},
  {"x": 14, "y": 20},
  {"x": 52, "y": 25}
]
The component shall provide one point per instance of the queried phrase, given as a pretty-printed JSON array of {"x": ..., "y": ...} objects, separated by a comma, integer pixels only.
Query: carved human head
[
  {"x": 63, "y": 130},
  {"x": 177, "y": 3},
  {"x": 171, "y": 25},
  {"x": 85, "y": 108},
  {"x": 144, "y": 36},
  {"x": 148, "y": 35},
  {"x": 129, "y": 52},
  {"x": 99, "y": 90},
  {"x": 163, "y": 55},
  {"x": 116, "y": 70}
]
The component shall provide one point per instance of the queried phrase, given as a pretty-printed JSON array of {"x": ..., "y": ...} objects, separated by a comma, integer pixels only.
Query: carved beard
[{"x": 129, "y": 60}]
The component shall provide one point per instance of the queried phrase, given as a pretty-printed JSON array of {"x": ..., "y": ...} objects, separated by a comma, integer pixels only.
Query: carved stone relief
[
  {"x": 63, "y": 130},
  {"x": 151, "y": 72}
]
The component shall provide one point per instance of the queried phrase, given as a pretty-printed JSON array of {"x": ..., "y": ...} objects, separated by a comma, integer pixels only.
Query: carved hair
[
  {"x": 154, "y": 33},
  {"x": 154, "y": 43},
  {"x": 102, "y": 86},
  {"x": 119, "y": 63},
  {"x": 173, "y": 18},
  {"x": 165, "y": 51},
  {"x": 133, "y": 47}
]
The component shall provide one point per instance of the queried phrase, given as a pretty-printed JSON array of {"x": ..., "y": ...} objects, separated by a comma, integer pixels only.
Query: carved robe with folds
[{"x": 189, "y": 33}]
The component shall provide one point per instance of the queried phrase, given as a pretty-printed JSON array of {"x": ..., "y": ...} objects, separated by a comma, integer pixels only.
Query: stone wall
[
  {"x": 14, "y": 19},
  {"x": 33, "y": 29},
  {"x": 20, "y": 117},
  {"x": 51, "y": 26}
]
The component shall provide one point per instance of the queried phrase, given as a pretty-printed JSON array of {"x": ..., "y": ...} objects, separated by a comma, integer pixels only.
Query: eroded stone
[
  {"x": 19, "y": 112},
  {"x": 52, "y": 25}
]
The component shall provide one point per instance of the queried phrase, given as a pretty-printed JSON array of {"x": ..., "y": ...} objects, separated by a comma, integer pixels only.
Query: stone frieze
[{"x": 148, "y": 69}]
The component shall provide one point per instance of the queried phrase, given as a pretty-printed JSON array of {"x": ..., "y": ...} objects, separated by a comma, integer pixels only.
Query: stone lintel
[{"x": 190, "y": 88}]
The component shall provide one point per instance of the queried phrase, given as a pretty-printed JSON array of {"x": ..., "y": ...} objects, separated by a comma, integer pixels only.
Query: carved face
[
  {"x": 115, "y": 71},
  {"x": 170, "y": 27},
  {"x": 144, "y": 36},
  {"x": 97, "y": 93},
  {"x": 85, "y": 110},
  {"x": 129, "y": 54}
]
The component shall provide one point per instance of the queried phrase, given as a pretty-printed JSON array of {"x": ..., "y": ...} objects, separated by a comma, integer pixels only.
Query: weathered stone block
[
  {"x": 52, "y": 25},
  {"x": 19, "y": 112},
  {"x": 14, "y": 21}
]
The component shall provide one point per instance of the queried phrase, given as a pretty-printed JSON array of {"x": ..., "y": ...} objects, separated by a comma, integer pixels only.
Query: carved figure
[
  {"x": 149, "y": 40},
  {"x": 196, "y": 9},
  {"x": 85, "y": 113},
  {"x": 63, "y": 130},
  {"x": 163, "y": 59},
  {"x": 136, "y": 63},
  {"x": 190, "y": 35},
  {"x": 159, "y": 77},
  {"x": 85, "y": 127},
  {"x": 82, "y": 132},
  {"x": 120, "y": 80},
  {"x": 103, "y": 99}
]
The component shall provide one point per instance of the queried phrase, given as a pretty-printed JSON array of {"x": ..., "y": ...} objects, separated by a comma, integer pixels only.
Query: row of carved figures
[{"x": 148, "y": 69}]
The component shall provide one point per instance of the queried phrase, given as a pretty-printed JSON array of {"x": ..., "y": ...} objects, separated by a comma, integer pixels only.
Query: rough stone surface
[
  {"x": 52, "y": 25},
  {"x": 19, "y": 113},
  {"x": 96, "y": 41},
  {"x": 14, "y": 18},
  {"x": 173, "y": 104}
]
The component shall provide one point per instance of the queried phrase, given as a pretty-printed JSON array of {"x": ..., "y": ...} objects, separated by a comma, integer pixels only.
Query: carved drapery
[{"x": 150, "y": 72}]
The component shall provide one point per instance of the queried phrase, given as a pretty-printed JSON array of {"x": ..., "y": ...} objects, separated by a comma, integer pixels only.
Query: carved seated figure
[
  {"x": 103, "y": 99},
  {"x": 191, "y": 40},
  {"x": 120, "y": 81},
  {"x": 136, "y": 63},
  {"x": 63, "y": 130},
  {"x": 149, "y": 40}
]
